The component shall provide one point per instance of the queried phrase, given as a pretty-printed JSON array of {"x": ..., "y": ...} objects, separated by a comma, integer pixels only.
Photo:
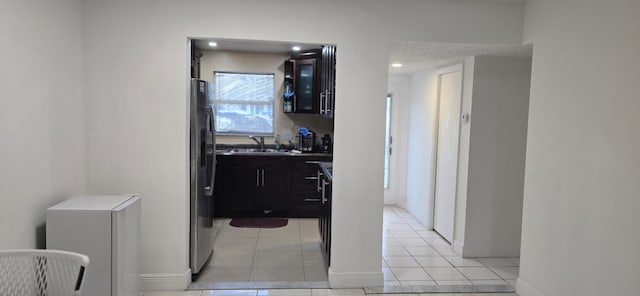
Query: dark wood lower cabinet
[
  {"x": 275, "y": 192},
  {"x": 325, "y": 218},
  {"x": 272, "y": 186},
  {"x": 251, "y": 186},
  {"x": 305, "y": 191}
]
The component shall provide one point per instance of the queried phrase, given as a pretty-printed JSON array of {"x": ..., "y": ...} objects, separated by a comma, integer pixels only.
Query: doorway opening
[
  {"x": 484, "y": 175},
  {"x": 273, "y": 107}
]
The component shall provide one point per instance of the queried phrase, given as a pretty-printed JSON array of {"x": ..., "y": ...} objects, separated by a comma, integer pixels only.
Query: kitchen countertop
[
  {"x": 327, "y": 169},
  {"x": 268, "y": 150},
  {"x": 270, "y": 153}
]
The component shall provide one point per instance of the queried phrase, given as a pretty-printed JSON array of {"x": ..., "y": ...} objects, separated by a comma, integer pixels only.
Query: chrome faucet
[{"x": 261, "y": 142}]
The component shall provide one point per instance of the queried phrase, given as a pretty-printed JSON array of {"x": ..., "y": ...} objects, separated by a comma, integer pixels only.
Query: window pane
[
  {"x": 244, "y": 103},
  {"x": 244, "y": 87},
  {"x": 244, "y": 118}
]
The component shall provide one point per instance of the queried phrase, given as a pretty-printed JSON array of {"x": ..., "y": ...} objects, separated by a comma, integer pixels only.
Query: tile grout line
[{"x": 253, "y": 260}]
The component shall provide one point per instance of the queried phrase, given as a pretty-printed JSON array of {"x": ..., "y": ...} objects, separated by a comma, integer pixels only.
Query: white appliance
[{"x": 105, "y": 228}]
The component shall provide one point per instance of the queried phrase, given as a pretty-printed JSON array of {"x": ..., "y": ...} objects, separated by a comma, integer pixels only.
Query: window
[
  {"x": 243, "y": 103},
  {"x": 387, "y": 143}
]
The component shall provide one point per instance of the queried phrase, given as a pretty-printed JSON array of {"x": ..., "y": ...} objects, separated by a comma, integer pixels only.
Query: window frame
[{"x": 215, "y": 102}]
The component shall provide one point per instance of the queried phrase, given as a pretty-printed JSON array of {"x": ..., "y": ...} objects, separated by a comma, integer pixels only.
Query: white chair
[{"x": 41, "y": 272}]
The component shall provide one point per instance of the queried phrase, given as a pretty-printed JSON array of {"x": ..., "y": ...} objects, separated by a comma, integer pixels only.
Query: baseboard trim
[
  {"x": 165, "y": 281},
  {"x": 524, "y": 289},
  {"x": 458, "y": 248},
  {"x": 355, "y": 279},
  {"x": 467, "y": 250}
]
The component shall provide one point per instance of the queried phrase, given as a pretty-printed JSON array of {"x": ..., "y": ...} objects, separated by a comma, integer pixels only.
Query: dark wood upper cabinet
[
  {"x": 196, "y": 54},
  {"x": 307, "y": 90},
  {"x": 328, "y": 81},
  {"x": 309, "y": 85}
]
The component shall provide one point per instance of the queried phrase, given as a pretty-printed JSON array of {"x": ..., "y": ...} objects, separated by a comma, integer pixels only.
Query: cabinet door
[
  {"x": 237, "y": 181},
  {"x": 326, "y": 220},
  {"x": 327, "y": 81},
  {"x": 306, "y": 86},
  {"x": 330, "y": 96},
  {"x": 275, "y": 191},
  {"x": 244, "y": 201},
  {"x": 223, "y": 187}
]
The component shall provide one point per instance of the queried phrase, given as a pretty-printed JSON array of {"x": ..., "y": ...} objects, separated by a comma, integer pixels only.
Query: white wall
[
  {"x": 260, "y": 62},
  {"x": 496, "y": 157},
  {"x": 137, "y": 67},
  {"x": 42, "y": 147},
  {"x": 491, "y": 154},
  {"x": 398, "y": 87},
  {"x": 580, "y": 219}
]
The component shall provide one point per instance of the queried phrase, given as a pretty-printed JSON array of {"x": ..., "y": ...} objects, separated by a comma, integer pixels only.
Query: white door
[{"x": 449, "y": 99}]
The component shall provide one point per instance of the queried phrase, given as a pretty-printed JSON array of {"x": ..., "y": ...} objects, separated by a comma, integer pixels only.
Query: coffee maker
[{"x": 306, "y": 140}]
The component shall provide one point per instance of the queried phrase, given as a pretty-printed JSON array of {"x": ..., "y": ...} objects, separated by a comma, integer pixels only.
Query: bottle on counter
[{"x": 277, "y": 142}]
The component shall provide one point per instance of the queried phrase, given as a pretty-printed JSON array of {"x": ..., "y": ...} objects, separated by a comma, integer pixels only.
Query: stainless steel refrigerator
[{"x": 203, "y": 164}]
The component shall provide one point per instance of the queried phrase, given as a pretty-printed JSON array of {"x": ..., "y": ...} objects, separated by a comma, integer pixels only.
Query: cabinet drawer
[
  {"x": 305, "y": 185},
  {"x": 306, "y": 177},
  {"x": 311, "y": 161},
  {"x": 306, "y": 197}
]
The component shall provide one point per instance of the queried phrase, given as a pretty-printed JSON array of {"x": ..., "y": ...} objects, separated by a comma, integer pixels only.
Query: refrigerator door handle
[{"x": 210, "y": 143}]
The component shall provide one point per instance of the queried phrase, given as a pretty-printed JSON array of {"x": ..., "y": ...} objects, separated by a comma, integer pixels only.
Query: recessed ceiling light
[
  {"x": 396, "y": 65},
  {"x": 213, "y": 44},
  {"x": 296, "y": 48}
]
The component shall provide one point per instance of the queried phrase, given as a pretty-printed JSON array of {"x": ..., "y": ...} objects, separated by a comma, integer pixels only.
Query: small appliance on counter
[
  {"x": 306, "y": 140},
  {"x": 326, "y": 143}
]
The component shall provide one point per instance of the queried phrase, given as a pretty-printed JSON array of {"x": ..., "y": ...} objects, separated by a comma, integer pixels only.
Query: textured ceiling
[{"x": 416, "y": 56}]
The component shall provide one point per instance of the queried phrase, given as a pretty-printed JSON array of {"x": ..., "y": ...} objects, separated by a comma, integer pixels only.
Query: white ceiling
[
  {"x": 416, "y": 56},
  {"x": 253, "y": 45}
]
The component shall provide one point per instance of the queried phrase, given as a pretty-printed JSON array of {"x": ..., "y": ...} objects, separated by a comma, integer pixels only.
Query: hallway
[{"x": 416, "y": 256}]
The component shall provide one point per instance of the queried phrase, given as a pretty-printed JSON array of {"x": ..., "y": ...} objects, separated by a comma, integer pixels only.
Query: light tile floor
[
  {"x": 412, "y": 256},
  {"x": 287, "y": 254},
  {"x": 415, "y": 255},
  {"x": 307, "y": 292}
]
